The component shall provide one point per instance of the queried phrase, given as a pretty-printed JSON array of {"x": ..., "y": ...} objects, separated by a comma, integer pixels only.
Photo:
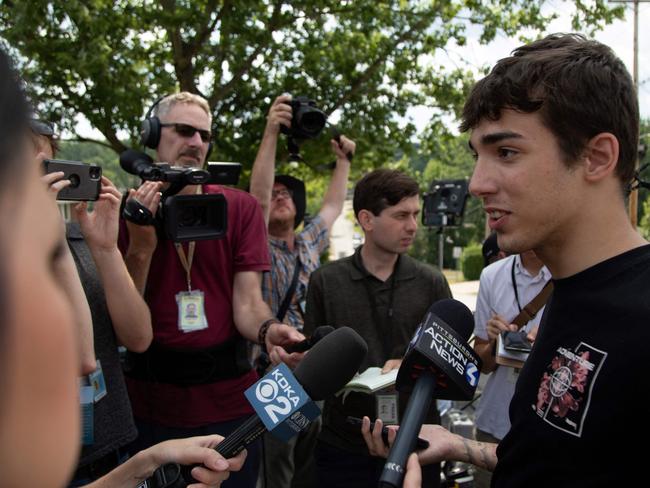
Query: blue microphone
[{"x": 284, "y": 402}]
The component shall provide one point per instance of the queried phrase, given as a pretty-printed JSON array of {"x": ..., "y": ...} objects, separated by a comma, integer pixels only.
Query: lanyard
[
  {"x": 186, "y": 262},
  {"x": 514, "y": 283}
]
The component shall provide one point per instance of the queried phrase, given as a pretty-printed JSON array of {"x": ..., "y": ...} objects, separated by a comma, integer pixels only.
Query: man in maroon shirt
[{"x": 191, "y": 381}]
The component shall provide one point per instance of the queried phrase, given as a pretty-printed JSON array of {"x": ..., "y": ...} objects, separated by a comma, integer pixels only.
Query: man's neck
[
  {"x": 283, "y": 233},
  {"x": 605, "y": 233},
  {"x": 378, "y": 262}
]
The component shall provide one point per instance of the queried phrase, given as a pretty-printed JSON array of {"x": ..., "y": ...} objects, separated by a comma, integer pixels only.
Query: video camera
[
  {"x": 307, "y": 122},
  {"x": 444, "y": 204},
  {"x": 181, "y": 217}
]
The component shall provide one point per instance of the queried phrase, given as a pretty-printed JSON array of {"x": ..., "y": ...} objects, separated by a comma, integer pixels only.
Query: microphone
[
  {"x": 308, "y": 343},
  {"x": 328, "y": 367},
  {"x": 438, "y": 360},
  {"x": 139, "y": 164}
]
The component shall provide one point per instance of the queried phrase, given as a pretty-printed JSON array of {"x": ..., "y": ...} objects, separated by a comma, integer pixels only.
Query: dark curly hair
[{"x": 579, "y": 87}]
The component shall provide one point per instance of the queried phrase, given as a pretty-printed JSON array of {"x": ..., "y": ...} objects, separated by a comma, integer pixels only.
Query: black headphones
[{"x": 150, "y": 128}]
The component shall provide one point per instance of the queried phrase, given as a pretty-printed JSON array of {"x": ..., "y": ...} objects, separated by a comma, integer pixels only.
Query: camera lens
[
  {"x": 95, "y": 172},
  {"x": 74, "y": 180}
]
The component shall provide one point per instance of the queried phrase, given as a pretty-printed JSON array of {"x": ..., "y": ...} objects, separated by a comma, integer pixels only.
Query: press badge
[
  {"x": 191, "y": 312},
  {"x": 387, "y": 408},
  {"x": 97, "y": 381}
]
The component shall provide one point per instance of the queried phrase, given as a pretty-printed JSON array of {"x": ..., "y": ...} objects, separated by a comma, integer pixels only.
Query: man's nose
[{"x": 481, "y": 183}]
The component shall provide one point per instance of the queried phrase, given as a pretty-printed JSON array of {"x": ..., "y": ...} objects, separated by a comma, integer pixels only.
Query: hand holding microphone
[
  {"x": 308, "y": 343},
  {"x": 284, "y": 402},
  {"x": 438, "y": 360}
]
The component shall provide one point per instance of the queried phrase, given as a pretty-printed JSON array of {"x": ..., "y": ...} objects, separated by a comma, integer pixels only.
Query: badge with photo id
[
  {"x": 387, "y": 408},
  {"x": 191, "y": 312}
]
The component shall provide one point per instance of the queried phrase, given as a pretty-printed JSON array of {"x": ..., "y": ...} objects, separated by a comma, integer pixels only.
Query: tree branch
[
  {"x": 182, "y": 61},
  {"x": 220, "y": 92},
  {"x": 377, "y": 63}
]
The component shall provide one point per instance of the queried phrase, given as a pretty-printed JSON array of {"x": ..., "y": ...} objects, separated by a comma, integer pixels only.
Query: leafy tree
[{"x": 360, "y": 59}]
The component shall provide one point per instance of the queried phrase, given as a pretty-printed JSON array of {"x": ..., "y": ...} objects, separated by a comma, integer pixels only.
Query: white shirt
[{"x": 496, "y": 295}]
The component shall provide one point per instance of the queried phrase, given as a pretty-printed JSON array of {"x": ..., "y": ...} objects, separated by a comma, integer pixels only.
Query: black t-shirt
[{"x": 582, "y": 397}]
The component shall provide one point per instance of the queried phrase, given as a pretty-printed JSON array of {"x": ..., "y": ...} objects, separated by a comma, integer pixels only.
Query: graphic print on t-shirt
[{"x": 564, "y": 393}]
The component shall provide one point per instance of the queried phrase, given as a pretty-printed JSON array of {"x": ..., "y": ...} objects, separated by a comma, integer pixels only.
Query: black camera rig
[
  {"x": 307, "y": 122},
  {"x": 444, "y": 203},
  {"x": 181, "y": 217}
]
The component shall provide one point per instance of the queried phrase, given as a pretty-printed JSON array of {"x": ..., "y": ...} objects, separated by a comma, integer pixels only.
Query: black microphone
[
  {"x": 308, "y": 343},
  {"x": 328, "y": 367},
  {"x": 439, "y": 360},
  {"x": 140, "y": 164}
]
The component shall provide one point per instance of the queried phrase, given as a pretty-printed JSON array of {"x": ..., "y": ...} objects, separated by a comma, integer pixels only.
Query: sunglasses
[{"x": 186, "y": 130}]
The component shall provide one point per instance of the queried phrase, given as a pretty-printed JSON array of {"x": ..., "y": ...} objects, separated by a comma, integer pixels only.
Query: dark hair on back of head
[
  {"x": 382, "y": 188},
  {"x": 579, "y": 87}
]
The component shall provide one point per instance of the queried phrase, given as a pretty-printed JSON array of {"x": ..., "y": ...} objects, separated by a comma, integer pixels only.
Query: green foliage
[
  {"x": 471, "y": 262},
  {"x": 362, "y": 60}
]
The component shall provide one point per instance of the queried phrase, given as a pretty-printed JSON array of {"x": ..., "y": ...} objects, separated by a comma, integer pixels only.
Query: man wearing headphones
[
  {"x": 191, "y": 380},
  {"x": 294, "y": 256}
]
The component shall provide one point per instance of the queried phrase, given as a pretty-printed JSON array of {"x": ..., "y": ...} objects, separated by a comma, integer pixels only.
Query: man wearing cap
[{"x": 294, "y": 256}]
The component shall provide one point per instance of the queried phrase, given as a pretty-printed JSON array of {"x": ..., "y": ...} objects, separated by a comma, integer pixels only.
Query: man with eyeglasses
[
  {"x": 294, "y": 256},
  {"x": 191, "y": 380}
]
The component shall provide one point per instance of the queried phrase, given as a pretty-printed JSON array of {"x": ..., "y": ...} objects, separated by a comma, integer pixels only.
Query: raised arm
[
  {"x": 263, "y": 173},
  {"x": 129, "y": 312},
  {"x": 337, "y": 189}
]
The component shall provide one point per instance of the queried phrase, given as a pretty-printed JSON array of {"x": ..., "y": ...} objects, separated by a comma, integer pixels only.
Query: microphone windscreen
[
  {"x": 131, "y": 159},
  {"x": 331, "y": 363},
  {"x": 456, "y": 315},
  {"x": 321, "y": 332}
]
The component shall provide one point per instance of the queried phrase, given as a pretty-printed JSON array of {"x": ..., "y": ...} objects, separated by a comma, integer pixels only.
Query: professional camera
[
  {"x": 307, "y": 122},
  {"x": 444, "y": 204},
  {"x": 181, "y": 217},
  {"x": 85, "y": 179}
]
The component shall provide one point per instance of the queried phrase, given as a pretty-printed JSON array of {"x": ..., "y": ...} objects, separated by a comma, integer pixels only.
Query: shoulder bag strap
[
  {"x": 290, "y": 292},
  {"x": 530, "y": 310}
]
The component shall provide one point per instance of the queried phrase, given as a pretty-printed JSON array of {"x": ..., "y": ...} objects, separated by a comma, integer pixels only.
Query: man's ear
[
  {"x": 600, "y": 156},
  {"x": 365, "y": 218}
]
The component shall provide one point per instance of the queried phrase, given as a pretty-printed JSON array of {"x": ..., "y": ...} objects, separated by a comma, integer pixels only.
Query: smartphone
[
  {"x": 224, "y": 173},
  {"x": 516, "y": 341},
  {"x": 420, "y": 444},
  {"x": 85, "y": 179}
]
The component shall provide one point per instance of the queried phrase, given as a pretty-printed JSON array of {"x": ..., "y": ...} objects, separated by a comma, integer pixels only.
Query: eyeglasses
[
  {"x": 186, "y": 130},
  {"x": 275, "y": 194}
]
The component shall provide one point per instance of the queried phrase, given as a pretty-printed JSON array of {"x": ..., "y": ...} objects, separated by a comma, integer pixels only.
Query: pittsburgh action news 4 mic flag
[
  {"x": 438, "y": 347},
  {"x": 281, "y": 403}
]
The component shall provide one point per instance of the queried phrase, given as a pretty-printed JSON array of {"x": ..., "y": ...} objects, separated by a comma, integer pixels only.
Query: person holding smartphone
[{"x": 506, "y": 286}]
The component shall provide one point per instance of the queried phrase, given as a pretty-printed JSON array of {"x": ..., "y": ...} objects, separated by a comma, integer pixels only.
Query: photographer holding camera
[
  {"x": 294, "y": 256},
  {"x": 191, "y": 380},
  {"x": 506, "y": 287}
]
